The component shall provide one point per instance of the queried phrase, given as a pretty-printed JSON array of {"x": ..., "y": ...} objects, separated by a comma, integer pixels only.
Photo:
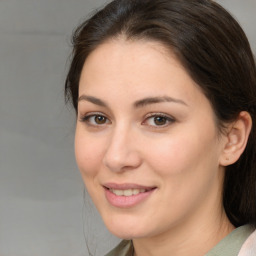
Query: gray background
[{"x": 42, "y": 210}]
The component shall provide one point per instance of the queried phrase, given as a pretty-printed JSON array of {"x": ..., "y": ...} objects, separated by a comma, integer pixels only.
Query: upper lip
[{"x": 127, "y": 186}]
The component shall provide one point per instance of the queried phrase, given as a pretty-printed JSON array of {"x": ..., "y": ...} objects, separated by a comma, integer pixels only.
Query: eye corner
[{"x": 94, "y": 119}]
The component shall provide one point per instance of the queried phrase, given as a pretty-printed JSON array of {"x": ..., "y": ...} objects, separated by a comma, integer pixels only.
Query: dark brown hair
[{"x": 212, "y": 47}]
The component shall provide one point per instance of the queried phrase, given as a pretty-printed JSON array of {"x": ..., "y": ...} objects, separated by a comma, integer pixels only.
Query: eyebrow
[
  {"x": 137, "y": 104},
  {"x": 153, "y": 100},
  {"x": 93, "y": 100}
]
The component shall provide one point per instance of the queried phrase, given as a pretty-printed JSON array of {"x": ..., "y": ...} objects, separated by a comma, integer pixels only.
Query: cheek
[
  {"x": 169, "y": 152},
  {"x": 188, "y": 168},
  {"x": 88, "y": 152},
  {"x": 182, "y": 152}
]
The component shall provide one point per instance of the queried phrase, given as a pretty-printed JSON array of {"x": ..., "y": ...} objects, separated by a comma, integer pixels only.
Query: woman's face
[{"x": 146, "y": 141}]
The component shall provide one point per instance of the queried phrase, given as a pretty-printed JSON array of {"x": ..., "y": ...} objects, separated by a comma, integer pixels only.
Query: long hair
[{"x": 215, "y": 52}]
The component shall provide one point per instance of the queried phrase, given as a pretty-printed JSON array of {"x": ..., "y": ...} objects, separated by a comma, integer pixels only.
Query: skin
[{"x": 182, "y": 157}]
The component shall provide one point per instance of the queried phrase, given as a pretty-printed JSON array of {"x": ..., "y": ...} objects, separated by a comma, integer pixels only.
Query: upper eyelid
[
  {"x": 169, "y": 119},
  {"x": 154, "y": 114},
  {"x": 96, "y": 113},
  {"x": 86, "y": 116},
  {"x": 148, "y": 115}
]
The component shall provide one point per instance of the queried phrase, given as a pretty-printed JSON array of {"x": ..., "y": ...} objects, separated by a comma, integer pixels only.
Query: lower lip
[{"x": 126, "y": 201}]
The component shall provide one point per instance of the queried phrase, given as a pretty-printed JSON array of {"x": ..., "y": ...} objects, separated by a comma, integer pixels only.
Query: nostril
[{"x": 122, "y": 160}]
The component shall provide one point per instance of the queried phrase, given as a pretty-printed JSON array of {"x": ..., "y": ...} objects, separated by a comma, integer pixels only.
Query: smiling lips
[{"x": 126, "y": 195}]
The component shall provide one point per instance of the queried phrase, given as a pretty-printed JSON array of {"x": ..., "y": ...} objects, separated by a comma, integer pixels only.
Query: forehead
[{"x": 135, "y": 68}]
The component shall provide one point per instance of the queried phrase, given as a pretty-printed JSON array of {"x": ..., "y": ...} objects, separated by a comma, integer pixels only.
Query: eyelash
[
  {"x": 86, "y": 119},
  {"x": 166, "y": 118}
]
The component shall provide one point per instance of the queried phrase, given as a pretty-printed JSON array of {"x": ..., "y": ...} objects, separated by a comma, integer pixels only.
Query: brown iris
[
  {"x": 160, "y": 120},
  {"x": 100, "y": 119}
]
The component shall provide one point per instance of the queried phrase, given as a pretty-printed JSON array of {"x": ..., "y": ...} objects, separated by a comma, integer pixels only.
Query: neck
[{"x": 193, "y": 240}]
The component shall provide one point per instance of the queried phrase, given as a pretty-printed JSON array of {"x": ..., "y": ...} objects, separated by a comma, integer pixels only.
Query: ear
[{"x": 236, "y": 139}]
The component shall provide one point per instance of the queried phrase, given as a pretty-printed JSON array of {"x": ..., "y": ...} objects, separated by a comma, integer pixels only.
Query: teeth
[
  {"x": 118, "y": 192},
  {"x": 127, "y": 192}
]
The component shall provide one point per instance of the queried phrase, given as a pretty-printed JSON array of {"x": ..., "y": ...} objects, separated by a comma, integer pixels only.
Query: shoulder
[
  {"x": 249, "y": 246},
  {"x": 234, "y": 243}
]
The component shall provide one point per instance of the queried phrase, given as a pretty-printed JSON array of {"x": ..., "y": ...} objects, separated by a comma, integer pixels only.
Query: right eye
[{"x": 95, "y": 119}]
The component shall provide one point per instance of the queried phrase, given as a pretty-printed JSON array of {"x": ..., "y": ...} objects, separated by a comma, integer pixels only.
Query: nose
[{"x": 122, "y": 152}]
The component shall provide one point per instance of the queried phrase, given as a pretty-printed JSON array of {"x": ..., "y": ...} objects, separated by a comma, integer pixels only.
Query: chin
[
  {"x": 126, "y": 234},
  {"x": 125, "y": 229}
]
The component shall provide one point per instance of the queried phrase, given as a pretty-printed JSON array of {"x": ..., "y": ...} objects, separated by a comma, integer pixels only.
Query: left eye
[
  {"x": 158, "y": 120},
  {"x": 95, "y": 119}
]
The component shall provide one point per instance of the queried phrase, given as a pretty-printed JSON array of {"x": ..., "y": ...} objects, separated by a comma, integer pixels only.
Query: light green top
[{"x": 228, "y": 246}]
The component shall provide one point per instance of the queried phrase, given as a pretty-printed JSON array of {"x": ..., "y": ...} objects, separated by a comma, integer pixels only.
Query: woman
[{"x": 165, "y": 93}]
